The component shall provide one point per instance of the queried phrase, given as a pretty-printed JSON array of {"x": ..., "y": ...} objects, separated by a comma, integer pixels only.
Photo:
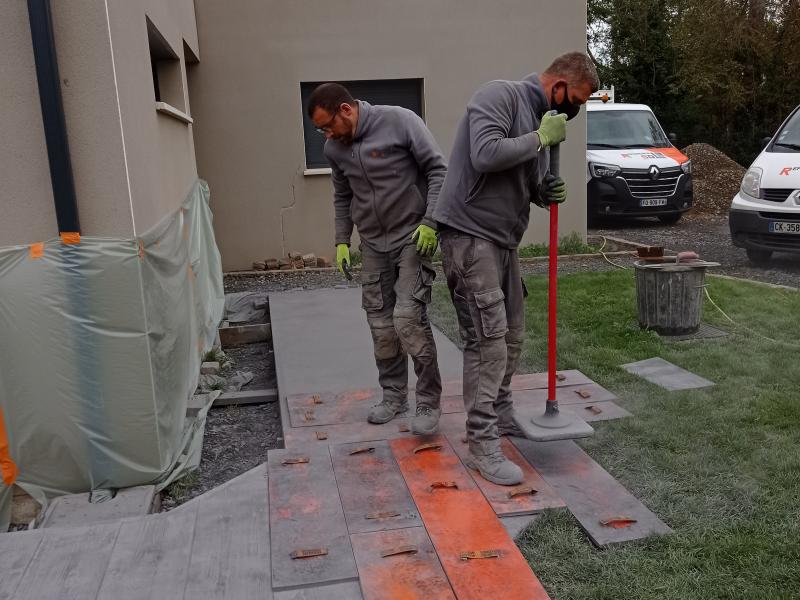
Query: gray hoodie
[
  {"x": 496, "y": 166},
  {"x": 387, "y": 181}
]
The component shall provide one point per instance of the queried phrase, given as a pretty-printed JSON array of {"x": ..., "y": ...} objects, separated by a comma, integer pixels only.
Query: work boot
[
  {"x": 426, "y": 421},
  {"x": 495, "y": 467},
  {"x": 387, "y": 410}
]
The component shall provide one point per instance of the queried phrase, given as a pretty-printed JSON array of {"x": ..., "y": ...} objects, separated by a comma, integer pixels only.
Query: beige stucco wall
[
  {"x": 26, "y": 197},
  {"x": 159, "y": 148},
  {"x": 246, "y": 97},
  {"x": 126, "y": 177}
]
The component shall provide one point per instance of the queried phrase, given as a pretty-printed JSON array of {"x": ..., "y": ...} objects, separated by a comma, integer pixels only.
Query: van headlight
[
  {"x": 751, "y": 182},
  {"x": 687, "y": 167},
  {"x": 600, "y": 170}
]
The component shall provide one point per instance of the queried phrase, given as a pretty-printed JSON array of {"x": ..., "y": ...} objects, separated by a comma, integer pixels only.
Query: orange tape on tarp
[
  {"x": 70, "y": 237},
  {"x": 37, "y": 250},
  {"x": 8, "y": 468}
]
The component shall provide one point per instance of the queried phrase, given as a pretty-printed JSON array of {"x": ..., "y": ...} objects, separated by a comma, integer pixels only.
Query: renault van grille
[
  {"x": 645, "y": 184},
  {"x": 775, "y": 194},
  {"x": 779, "y": 216}
]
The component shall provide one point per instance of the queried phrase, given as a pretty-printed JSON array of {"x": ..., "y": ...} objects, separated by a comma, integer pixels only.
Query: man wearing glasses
[{"x": 387, "y": 171}]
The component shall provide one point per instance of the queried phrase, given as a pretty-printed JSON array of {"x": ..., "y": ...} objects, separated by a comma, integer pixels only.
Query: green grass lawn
[
  {"x": 721, "y": 466},
  {"x": 569, "y": 244}
]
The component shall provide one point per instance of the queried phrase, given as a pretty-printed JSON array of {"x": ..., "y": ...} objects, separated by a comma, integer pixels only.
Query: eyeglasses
[{"x": 323, "y": 129}]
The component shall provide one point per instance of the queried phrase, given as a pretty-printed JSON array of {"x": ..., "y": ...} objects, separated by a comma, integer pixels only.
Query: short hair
[
  {"x": 329, "y": 97},
  {"x": 575, "y": 67}
]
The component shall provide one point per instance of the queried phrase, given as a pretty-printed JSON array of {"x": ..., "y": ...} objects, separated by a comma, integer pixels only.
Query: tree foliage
[{"x": 726, "y": 72}]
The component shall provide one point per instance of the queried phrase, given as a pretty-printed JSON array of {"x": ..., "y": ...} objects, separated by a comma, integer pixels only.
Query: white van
[
  {"x": 765, "y": 214},
  {"x": 633, "y": 168}
]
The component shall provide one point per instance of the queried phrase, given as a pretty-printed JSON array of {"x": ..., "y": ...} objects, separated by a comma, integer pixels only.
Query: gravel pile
[{"x": 716, "y": 180}]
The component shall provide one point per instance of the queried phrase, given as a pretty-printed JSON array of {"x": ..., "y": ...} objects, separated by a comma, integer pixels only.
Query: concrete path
[
  {"x": 322, "y": 342},
  {"x": 348, "y": 510}
]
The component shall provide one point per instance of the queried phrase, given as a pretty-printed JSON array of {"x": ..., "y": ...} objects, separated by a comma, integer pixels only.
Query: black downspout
[{"x": 55, "y": 127}]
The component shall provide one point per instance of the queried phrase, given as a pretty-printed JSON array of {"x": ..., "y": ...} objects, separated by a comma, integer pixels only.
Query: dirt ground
[{"x": 237, "y": 438}]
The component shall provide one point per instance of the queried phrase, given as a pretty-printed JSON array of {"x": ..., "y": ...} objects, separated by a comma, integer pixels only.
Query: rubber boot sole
[{"x": 468, "y": 462}]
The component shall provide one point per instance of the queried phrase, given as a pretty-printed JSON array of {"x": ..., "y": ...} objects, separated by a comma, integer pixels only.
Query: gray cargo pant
[
  {"x": 396, "y": 291},
  {"x": 488, "y": 296}
]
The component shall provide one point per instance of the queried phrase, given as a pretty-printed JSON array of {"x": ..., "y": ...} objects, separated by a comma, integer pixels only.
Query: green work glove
[
  {"x": 426, "y": 240},
  {"x": 552, "y": 129},
  {"x": 554, "y": 189},
  {"x": 342, "y": 256}
]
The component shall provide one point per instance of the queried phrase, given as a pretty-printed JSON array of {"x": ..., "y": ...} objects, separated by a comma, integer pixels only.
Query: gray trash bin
[{"x": 670, "y": 295}]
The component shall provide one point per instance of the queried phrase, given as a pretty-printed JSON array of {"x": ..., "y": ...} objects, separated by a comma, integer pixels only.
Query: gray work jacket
[
  {"x": 387, "y": 181},
  {"x": 496, "y": 165}
]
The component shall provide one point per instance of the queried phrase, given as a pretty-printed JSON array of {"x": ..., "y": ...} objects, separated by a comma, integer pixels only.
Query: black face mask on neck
[{"x": 566, "y": 107}]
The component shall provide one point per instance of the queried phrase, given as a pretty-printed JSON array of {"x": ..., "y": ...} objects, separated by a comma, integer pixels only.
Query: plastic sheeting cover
[{"x": 100, "y": 350}]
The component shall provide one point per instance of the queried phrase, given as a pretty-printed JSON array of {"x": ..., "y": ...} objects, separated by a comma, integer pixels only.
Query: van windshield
[
  {"x": 624, "y": 129},
  {"x": 788, "y": 138}
]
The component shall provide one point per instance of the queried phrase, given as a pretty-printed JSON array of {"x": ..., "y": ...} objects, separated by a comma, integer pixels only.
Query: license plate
[
  {"x": 784, "y": 227},
  {"x": 653, "y": 202}
]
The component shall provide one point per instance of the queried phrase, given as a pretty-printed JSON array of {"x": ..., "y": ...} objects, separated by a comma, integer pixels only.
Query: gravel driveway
[{"x": 710, "y": 238}]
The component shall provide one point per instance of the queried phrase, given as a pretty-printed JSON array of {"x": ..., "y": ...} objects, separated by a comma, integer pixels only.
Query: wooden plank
[
  {"x": 348, "y": 590},
  {"x": 69, "y": 564},
  {"x": 588, "y": 402},
  {"x": 374, "y": 495},
  {"x": 150, "y": 558},
  {"x": 247, "y": 397},
  {"x": 599, "y": 411},
  {"x": 591, "y": 494},
  {"x": 313, "y": 410},
  {"x": 16, "y": 551},
  {"x": 353, "y": 406},
  {"x": 345, "y": 433},
  {"x": 244, "y": 334},
  {"x": 230, "y": 552},
  {"x": 566, "y": 395},
  {"x": 525, "y": 381},
  {"x": 412, "y": 576},
  {"x": 306, "y": 513},
  {"x": 460, "y": 520},
  {"x": 498, "y": 495}
]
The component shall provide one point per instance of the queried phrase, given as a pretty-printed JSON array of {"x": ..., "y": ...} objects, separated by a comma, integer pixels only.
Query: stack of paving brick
[{"x": 293, "y": 261}]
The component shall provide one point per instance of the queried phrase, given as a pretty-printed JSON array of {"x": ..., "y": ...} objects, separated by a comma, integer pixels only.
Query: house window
[
  {"x": 165, "y": 65},
  {"x": 399, "y": 92}
]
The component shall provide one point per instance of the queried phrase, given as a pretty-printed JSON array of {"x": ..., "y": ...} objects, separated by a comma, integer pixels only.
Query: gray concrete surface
[
  {"x": 75, "y": 510},
  {"x": 663, "y": 373},
  {"x": 322, "y": 343}
]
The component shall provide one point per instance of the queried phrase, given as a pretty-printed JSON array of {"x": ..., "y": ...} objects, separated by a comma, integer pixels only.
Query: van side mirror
[
  {"x": 672, "y": 138},
  {"x": 765, "y": 141}
]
